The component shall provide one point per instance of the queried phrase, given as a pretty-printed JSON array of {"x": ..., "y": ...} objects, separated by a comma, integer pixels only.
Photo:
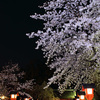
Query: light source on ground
[
  {"x": 14, "y": 95},
  {"x": 89, "y": 90},
  {"x": 2, "y": 97},
  {"x": 26, "y": 99},
  {"x": 81, "y": 95}
]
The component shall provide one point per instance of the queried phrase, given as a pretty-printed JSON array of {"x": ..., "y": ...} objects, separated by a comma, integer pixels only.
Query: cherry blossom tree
[
  {"x": 10, "y": 80},
  {"x": 70, "y": 40}
]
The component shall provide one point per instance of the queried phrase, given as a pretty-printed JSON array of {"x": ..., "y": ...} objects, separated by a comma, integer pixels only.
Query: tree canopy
[
  {"x": 11, "y": 79},
  {"x": 70, "y": 40}
]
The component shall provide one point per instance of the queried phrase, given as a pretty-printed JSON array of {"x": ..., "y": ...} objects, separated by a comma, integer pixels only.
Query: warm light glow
[
  {"x": 89, "y": 90},
  {"x": 13, "y": 96},
  {"x": 16, "y": 96},
  {"x": 82, "y": 97},
  {"x": 3, "y": 97},
  {"x": 77, "y": 99},
  {"x": 26, "y": 99}
]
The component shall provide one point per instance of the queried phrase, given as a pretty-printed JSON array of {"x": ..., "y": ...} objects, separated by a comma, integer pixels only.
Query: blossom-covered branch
[{"x": 70, "y": 40}]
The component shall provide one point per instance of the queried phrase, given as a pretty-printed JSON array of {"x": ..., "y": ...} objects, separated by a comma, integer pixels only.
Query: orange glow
[
  {"x": 77, "y": 99},
  {"x": 26, "y": 99},
  {"x": 2, "y": 97},
  {"x": 13, "y": 96},
  {"x": 89, "y": 93},
  {"x": 82, "y": 97}
]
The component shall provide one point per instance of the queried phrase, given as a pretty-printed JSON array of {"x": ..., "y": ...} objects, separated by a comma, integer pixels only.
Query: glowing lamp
[
  {"x": 89, "y": 90},
  {"x": 2, "y": 97},
  {"x": 14, "y": 95},
  {"x": 77, "y": 98},
  {"x": 26, "y": 99},
  {"x": 81, "y": 95}
]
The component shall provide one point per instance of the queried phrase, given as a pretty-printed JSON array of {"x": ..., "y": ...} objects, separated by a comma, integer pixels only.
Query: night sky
[{"x": 15, "y": 22}]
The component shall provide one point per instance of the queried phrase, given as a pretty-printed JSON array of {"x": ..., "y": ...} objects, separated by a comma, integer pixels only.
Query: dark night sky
[{"x": 15, "y": 22}]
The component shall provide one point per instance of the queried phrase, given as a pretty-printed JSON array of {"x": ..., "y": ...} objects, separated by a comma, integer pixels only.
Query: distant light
[
  {"x": 16, "y": 96},
  {"x": 3, "y": 97},
  {"x": 77, "y": 99},
  {"x": 89, "y": 90},
  {"x": 26, "y": 99},
  {"x": 82, "y": 97},
  {"x": 12, "y": 96}
]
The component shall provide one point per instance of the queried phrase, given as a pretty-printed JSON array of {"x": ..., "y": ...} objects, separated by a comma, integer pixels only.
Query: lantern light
[
  {"x": 82, "y": 97},
  {"x": 14, "y": 95},
  {"x": 89, "y": 90},
  {"x": 26, "y": 99},
  {"x": 2, "y": 97},
  {"x": 77, "y": 99}
]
